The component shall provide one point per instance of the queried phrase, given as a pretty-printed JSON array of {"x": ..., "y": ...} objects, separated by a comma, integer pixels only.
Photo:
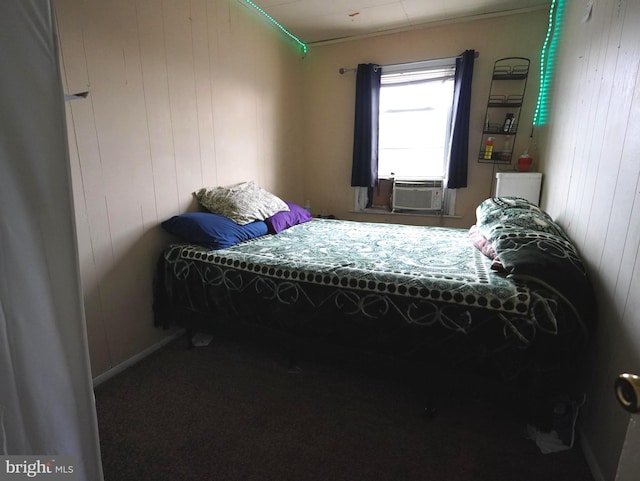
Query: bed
[{"x": 509, "y": 297}]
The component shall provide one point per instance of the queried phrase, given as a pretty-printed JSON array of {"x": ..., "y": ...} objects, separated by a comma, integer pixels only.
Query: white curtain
[{"x": 46, "y": 397}]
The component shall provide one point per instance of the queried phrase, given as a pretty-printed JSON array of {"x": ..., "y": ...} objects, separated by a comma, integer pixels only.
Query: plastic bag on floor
[{"x": 562, "y": 436}]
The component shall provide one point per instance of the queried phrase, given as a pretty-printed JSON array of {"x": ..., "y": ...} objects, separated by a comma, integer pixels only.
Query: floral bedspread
[
  {"x": 526, "y": 243},
  {"x": 422, "y": 293}
]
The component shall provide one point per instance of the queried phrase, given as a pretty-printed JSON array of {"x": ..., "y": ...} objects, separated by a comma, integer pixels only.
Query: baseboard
[
  {"x": 100, "y": 378},
  {"x": 592, "y": 462}
]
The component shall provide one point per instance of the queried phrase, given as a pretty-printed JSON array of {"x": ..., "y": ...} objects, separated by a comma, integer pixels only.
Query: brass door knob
[{"x": 627, "y": 388}]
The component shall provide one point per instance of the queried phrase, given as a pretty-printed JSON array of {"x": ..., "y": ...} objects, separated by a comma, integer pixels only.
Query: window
[
  {"x": 414, "y": 120},
  {"x": 406, "y": 132}
]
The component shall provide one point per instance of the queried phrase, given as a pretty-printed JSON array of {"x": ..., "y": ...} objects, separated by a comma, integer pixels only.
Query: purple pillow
[{"x": 283, "y": 220}]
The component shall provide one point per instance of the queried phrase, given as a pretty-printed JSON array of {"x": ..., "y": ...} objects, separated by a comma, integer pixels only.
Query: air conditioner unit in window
[{"x": 423, "y": 195}]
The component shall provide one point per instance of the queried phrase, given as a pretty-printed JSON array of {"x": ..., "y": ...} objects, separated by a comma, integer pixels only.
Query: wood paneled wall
[
  {"x": 182, "y": 94},
  {"x": 590, "y": 151}
]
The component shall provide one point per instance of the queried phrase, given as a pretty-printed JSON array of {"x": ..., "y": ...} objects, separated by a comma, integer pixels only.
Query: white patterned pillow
[{"x": 243, "y": 203}]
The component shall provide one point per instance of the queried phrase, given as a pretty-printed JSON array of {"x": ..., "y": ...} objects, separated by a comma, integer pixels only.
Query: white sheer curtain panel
[{"x": 47, "y": 405}]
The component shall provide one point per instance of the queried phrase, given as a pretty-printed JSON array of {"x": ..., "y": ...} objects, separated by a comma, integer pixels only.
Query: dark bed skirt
[{"x": 440, "y": 336}]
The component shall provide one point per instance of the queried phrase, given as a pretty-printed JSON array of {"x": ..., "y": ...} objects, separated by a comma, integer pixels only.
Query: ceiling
[{"x": 314, "y": 21}]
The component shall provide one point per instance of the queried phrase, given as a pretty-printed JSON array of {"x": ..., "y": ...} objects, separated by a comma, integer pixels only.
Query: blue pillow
[{"x": 212, "y": 230}]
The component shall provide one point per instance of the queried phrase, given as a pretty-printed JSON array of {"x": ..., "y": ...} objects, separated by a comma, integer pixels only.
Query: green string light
[
  {"x": 277, "y": 24},
  {"x": 547, "y": 58}
]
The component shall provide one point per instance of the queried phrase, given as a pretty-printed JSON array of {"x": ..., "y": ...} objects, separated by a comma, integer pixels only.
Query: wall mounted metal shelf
[{"x": 506, "y": 95}]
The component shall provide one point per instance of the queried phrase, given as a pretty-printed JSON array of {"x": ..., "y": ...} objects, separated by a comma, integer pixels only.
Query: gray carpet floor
[{"x": 239, "y": 410}]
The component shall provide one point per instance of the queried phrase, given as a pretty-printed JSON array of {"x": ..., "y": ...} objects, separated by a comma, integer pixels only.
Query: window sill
[{"x": 374, "y": 211}]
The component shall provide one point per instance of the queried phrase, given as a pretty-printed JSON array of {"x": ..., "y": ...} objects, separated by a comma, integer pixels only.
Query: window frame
[{"x": 446, "y": 67}]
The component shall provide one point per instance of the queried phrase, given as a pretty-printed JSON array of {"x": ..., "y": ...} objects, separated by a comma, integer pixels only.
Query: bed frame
[{"x": 420, "y": 294}]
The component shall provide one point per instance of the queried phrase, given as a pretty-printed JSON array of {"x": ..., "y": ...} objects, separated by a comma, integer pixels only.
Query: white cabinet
[{"x": 521, "y": 184}]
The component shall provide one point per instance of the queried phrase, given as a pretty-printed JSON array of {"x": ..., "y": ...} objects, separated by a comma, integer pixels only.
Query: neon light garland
[
  {"x": 547, "y": 57},
  {"x": 277, "y": 24}
]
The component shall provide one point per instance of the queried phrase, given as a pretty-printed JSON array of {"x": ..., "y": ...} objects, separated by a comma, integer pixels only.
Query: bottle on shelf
[
  {"x": 505, "y": 153},
  {"x": 488, "y": 148},
  {"x": 508, "y": 122}
]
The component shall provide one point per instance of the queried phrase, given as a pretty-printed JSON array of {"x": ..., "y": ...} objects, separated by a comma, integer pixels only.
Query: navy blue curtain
[
  {"x": 458, "y": 158},
  {"x": 364, "y": 170}
]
